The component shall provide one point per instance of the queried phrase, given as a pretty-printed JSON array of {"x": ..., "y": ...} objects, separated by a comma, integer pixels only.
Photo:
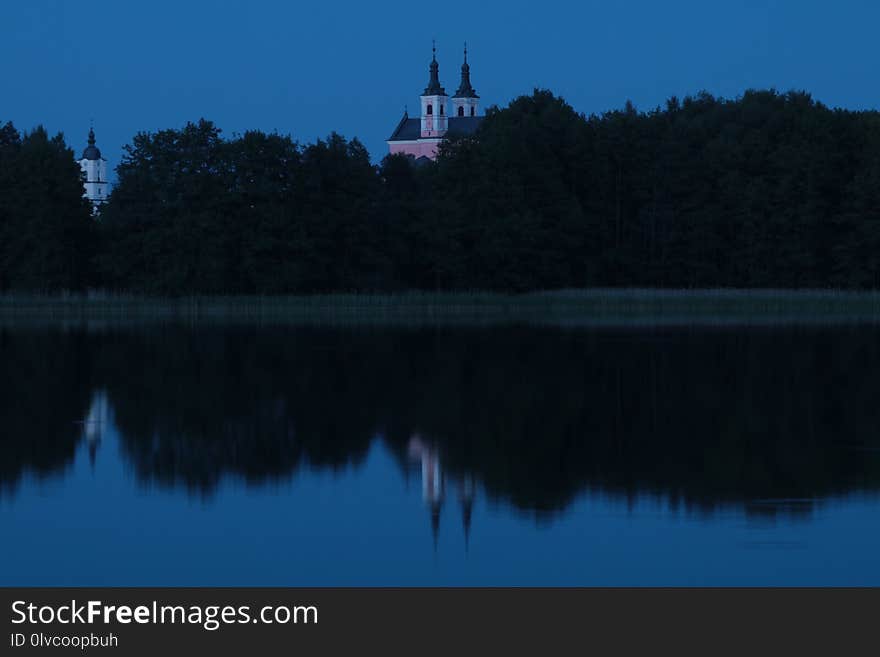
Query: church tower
[
  {"x": 465, "y": 100},
  {"x": 95, "y": 168},
  {"x": 434, "y": 119}
]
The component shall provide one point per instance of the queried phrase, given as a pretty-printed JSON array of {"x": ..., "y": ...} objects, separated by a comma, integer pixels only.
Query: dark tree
[{"x": 46, "y": 229}]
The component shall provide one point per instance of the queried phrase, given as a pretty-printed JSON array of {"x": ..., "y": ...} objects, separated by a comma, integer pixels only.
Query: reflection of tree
[
  {"x": 699, "y": 417},
  {"x": 201, "y": 405},
  {"x": 534, "y": 415},
  {"x": 45, "y": 391}
]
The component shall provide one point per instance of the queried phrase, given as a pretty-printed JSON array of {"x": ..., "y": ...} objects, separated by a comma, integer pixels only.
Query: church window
[
  {"x": 441, "y": 110},
  {"x": 430, "y": 109},
  {"x": 461, "y": 111},
  {"x": 473, "y": 111}
]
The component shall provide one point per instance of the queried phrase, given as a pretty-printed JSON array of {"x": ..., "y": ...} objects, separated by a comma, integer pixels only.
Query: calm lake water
[{"x": 172, "y": 455}]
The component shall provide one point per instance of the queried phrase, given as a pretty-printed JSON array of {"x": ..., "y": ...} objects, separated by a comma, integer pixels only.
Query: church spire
[
  {"x": 465, "y": 90},
  {"x": 434, "y": 88}
]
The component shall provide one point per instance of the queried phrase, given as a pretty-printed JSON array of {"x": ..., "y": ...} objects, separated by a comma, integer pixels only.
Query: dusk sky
[{"x": 309, "y": 69}]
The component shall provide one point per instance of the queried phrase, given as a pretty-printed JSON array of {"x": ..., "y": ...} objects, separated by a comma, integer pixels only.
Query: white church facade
[{"x": 95, "y": 168}]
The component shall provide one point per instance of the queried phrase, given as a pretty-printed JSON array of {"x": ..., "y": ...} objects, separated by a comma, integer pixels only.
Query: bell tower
[
  {"x": 95, "y": 168},
  {"x": 465, "y": 101},
  {"x": 435, "y": 122}
]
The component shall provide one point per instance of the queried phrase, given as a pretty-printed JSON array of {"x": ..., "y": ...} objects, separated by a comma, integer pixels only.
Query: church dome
[{"x": 91, "y": 152}]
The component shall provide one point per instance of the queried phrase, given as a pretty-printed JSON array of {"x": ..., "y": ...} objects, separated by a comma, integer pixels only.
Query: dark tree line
[
  {"x": 768, "y": 190},
  {"x": 257, "y": 214}
]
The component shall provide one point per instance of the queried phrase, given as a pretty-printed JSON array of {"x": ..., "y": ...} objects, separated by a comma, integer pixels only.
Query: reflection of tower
[
  {"x": 466, "y": 497},
  {"x": 93, "y": 426},
  {"x": 434, "y": 486}
]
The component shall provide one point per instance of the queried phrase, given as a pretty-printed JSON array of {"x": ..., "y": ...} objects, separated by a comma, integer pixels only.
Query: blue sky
[{"x": 309, "y": 68}]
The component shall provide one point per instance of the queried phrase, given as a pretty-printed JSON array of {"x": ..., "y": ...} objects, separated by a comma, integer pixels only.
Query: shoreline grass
[{"x": 572, "y": 307}]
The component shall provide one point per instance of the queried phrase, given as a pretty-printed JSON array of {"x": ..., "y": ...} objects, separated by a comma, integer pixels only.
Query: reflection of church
[
  {"x": 434, "y": 484},
  {"x": 95, "y": 423}
]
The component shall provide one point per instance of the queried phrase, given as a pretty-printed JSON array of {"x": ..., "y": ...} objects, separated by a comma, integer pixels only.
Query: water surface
[{"x": 187, "y": 455}]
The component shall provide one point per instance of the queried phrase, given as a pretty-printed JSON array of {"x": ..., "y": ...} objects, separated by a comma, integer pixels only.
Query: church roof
[
  {"x": 411, "y": 129},
  {"x": 91, "y": 151},
  {"x": 463, "y": 125}
]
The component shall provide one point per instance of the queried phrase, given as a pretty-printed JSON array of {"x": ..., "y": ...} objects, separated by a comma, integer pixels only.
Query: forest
[{"x": 768, "y": 190}]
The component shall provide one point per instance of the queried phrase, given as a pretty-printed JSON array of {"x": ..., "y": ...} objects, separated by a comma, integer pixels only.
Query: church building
[
  {"x": 95, "y": 168},
  {"x": 421, "y": 137}
]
